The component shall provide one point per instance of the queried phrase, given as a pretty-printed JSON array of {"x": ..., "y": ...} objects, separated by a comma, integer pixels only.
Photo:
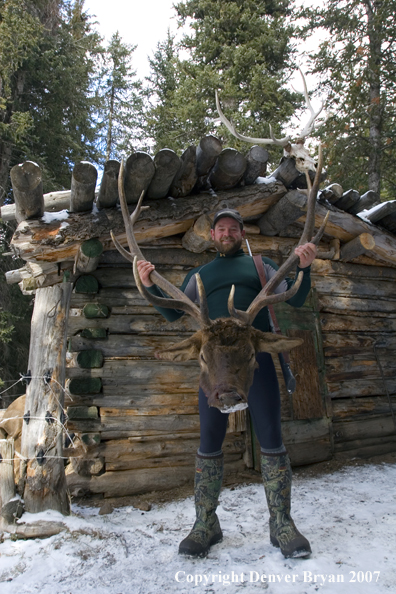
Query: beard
[{"x": 228, "y": 248}]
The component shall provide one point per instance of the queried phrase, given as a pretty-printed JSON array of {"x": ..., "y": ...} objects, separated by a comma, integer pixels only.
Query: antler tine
[
  {"x": 135, "y": 254},
  {"x": 185, "y": 304},
  {"x": 242, "y": 316},
  {"x": 262, "y": 300},
  {"x": 203, "y": 302},
  {"x": 309, "y": 126},
  {"x": 230, "y": 126},
  {"x": 310, "y": 217}
]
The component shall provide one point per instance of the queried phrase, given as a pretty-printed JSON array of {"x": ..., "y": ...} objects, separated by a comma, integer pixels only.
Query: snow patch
[
  {"x": 50, "y": 217},
  {"x": 349, "y": 517}
]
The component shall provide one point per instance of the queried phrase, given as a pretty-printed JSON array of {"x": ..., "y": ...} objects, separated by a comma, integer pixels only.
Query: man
[{"x": 233, "y": 266}]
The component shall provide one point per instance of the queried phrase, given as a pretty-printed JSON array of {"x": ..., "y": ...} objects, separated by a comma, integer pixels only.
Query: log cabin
[{"x": 131, "y": 420}]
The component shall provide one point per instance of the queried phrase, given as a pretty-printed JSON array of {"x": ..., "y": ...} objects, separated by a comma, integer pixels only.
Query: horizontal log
[
  {"x": 181, "y": 460},
  {"x": 53, "y": 202},
  {"x": 285, "y": 212},
  {"x": 363, "y": 243},
  {"x": 135, "y": 398},
  {"x": 352, "y": 323},
  {"x": 38, "y": 241},
  {"x": 348, "y": 200},
  {"x": 332, "y": 193},
  {"x": 138, "y": 481},
  {"x": 352, "y": 408},
  {"x": 120, "y": 345},
  {"x": 310, "y": 452},
  {"x": 365, "y": 448},
  {"x": 379, "y": 426},
  {"x": 359, "y": 366},
  {"x": 343, "y": 226},
  {"x": 130, "y": 324},
  {"x": 344, "y": 269},
  {"x": 135, "y": 425},
  {"x": 350, "y": 343},
  {"x": 360, "y": 387},
  {"x": 305, "y": 430},
  {"x": 365, "y": 202},
  {"x": 119, "y": 372},
  {"x": 360, "y": 288},
  {"x": 377, "y": 214},
  {"x": 346, "y": 305}
]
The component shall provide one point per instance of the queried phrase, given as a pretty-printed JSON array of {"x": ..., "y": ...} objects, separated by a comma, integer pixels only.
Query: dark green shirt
[{"x": 237, "y": 269}]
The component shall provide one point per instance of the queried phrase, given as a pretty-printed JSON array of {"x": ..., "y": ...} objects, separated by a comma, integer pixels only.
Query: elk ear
[
  {"x": 273, "y": 343},
  {"x": 183, "y": 351}
]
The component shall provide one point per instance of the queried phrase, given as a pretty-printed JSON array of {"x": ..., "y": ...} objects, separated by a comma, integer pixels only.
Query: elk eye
[{"x": 203, "y": 358}]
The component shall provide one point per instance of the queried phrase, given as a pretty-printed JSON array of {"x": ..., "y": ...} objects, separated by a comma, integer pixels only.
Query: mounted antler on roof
[{"x": 304, "y": 162}]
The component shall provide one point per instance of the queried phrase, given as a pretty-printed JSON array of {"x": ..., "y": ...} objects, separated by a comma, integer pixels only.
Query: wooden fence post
[
  {"x": 42, "y": 431},
  {"x": 7, "y": 483}
]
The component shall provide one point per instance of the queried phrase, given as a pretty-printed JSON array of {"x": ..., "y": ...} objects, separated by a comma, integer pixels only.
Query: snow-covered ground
[{"x": 349, "y": 517}]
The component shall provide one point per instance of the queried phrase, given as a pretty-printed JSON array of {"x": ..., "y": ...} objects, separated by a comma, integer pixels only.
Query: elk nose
[{"x": 230, "y": 398}]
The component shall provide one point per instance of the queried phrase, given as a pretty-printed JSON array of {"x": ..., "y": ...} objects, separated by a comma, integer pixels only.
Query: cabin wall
[
  {"x": 357, "y": 310},
  {"x": 139, "y": 430}
]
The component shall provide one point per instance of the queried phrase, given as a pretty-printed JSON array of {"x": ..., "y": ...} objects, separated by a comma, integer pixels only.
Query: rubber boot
[
  {"x": 206, "y": 530},
  {"x": 277, "y": 476}
]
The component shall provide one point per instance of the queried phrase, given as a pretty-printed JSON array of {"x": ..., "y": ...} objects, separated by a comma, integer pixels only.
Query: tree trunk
[
  {"x": 375, "y": 108},
  {"x": 42, "y": 433}
]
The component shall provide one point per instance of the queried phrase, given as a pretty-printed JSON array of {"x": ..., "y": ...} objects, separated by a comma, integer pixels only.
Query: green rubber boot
[
  {"x": 206, "y": 530},
  {"x": 277, "y": 476}
]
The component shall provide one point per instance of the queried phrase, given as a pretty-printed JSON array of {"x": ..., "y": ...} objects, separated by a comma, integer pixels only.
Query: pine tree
[
  {"x": 356, "y": 67},
  {"x": 242, "y": 48},
  {"x": 121, "y": 102},
  {"x": 163, "y": 125},
  {"x": 47, "y": 59}
]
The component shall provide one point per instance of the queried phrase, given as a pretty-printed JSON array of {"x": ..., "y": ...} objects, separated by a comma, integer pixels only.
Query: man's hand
[
  {"x": 145, "y": 269},
  {"x": 307, "y": 254}
]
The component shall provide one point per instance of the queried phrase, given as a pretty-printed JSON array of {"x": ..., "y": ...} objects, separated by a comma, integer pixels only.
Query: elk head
[
  {"x": 304, "y": 161},
  {"x": 226, "y": 348}
]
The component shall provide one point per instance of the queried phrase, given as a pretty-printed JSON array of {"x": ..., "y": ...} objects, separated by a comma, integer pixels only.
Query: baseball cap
[{"x": 227, "y": 212}]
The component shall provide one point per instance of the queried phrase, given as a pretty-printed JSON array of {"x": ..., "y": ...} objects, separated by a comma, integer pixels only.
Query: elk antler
[
  {"x": 265, "y": 296},
  {"x": 283, "y": 142},
  {"x": 180, "y": 300}
]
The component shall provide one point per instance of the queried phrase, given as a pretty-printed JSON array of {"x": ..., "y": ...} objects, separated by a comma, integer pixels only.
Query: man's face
[{"x": 227, "y": 236}]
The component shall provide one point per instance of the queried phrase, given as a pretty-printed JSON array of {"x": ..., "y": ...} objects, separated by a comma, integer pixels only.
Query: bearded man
[{"x": 232, "y": 266}]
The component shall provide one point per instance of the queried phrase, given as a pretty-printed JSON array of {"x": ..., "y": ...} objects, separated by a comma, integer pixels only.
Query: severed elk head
[
  {"x": 304, "y": 161},
  {"x": 226, "y": 348}
]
